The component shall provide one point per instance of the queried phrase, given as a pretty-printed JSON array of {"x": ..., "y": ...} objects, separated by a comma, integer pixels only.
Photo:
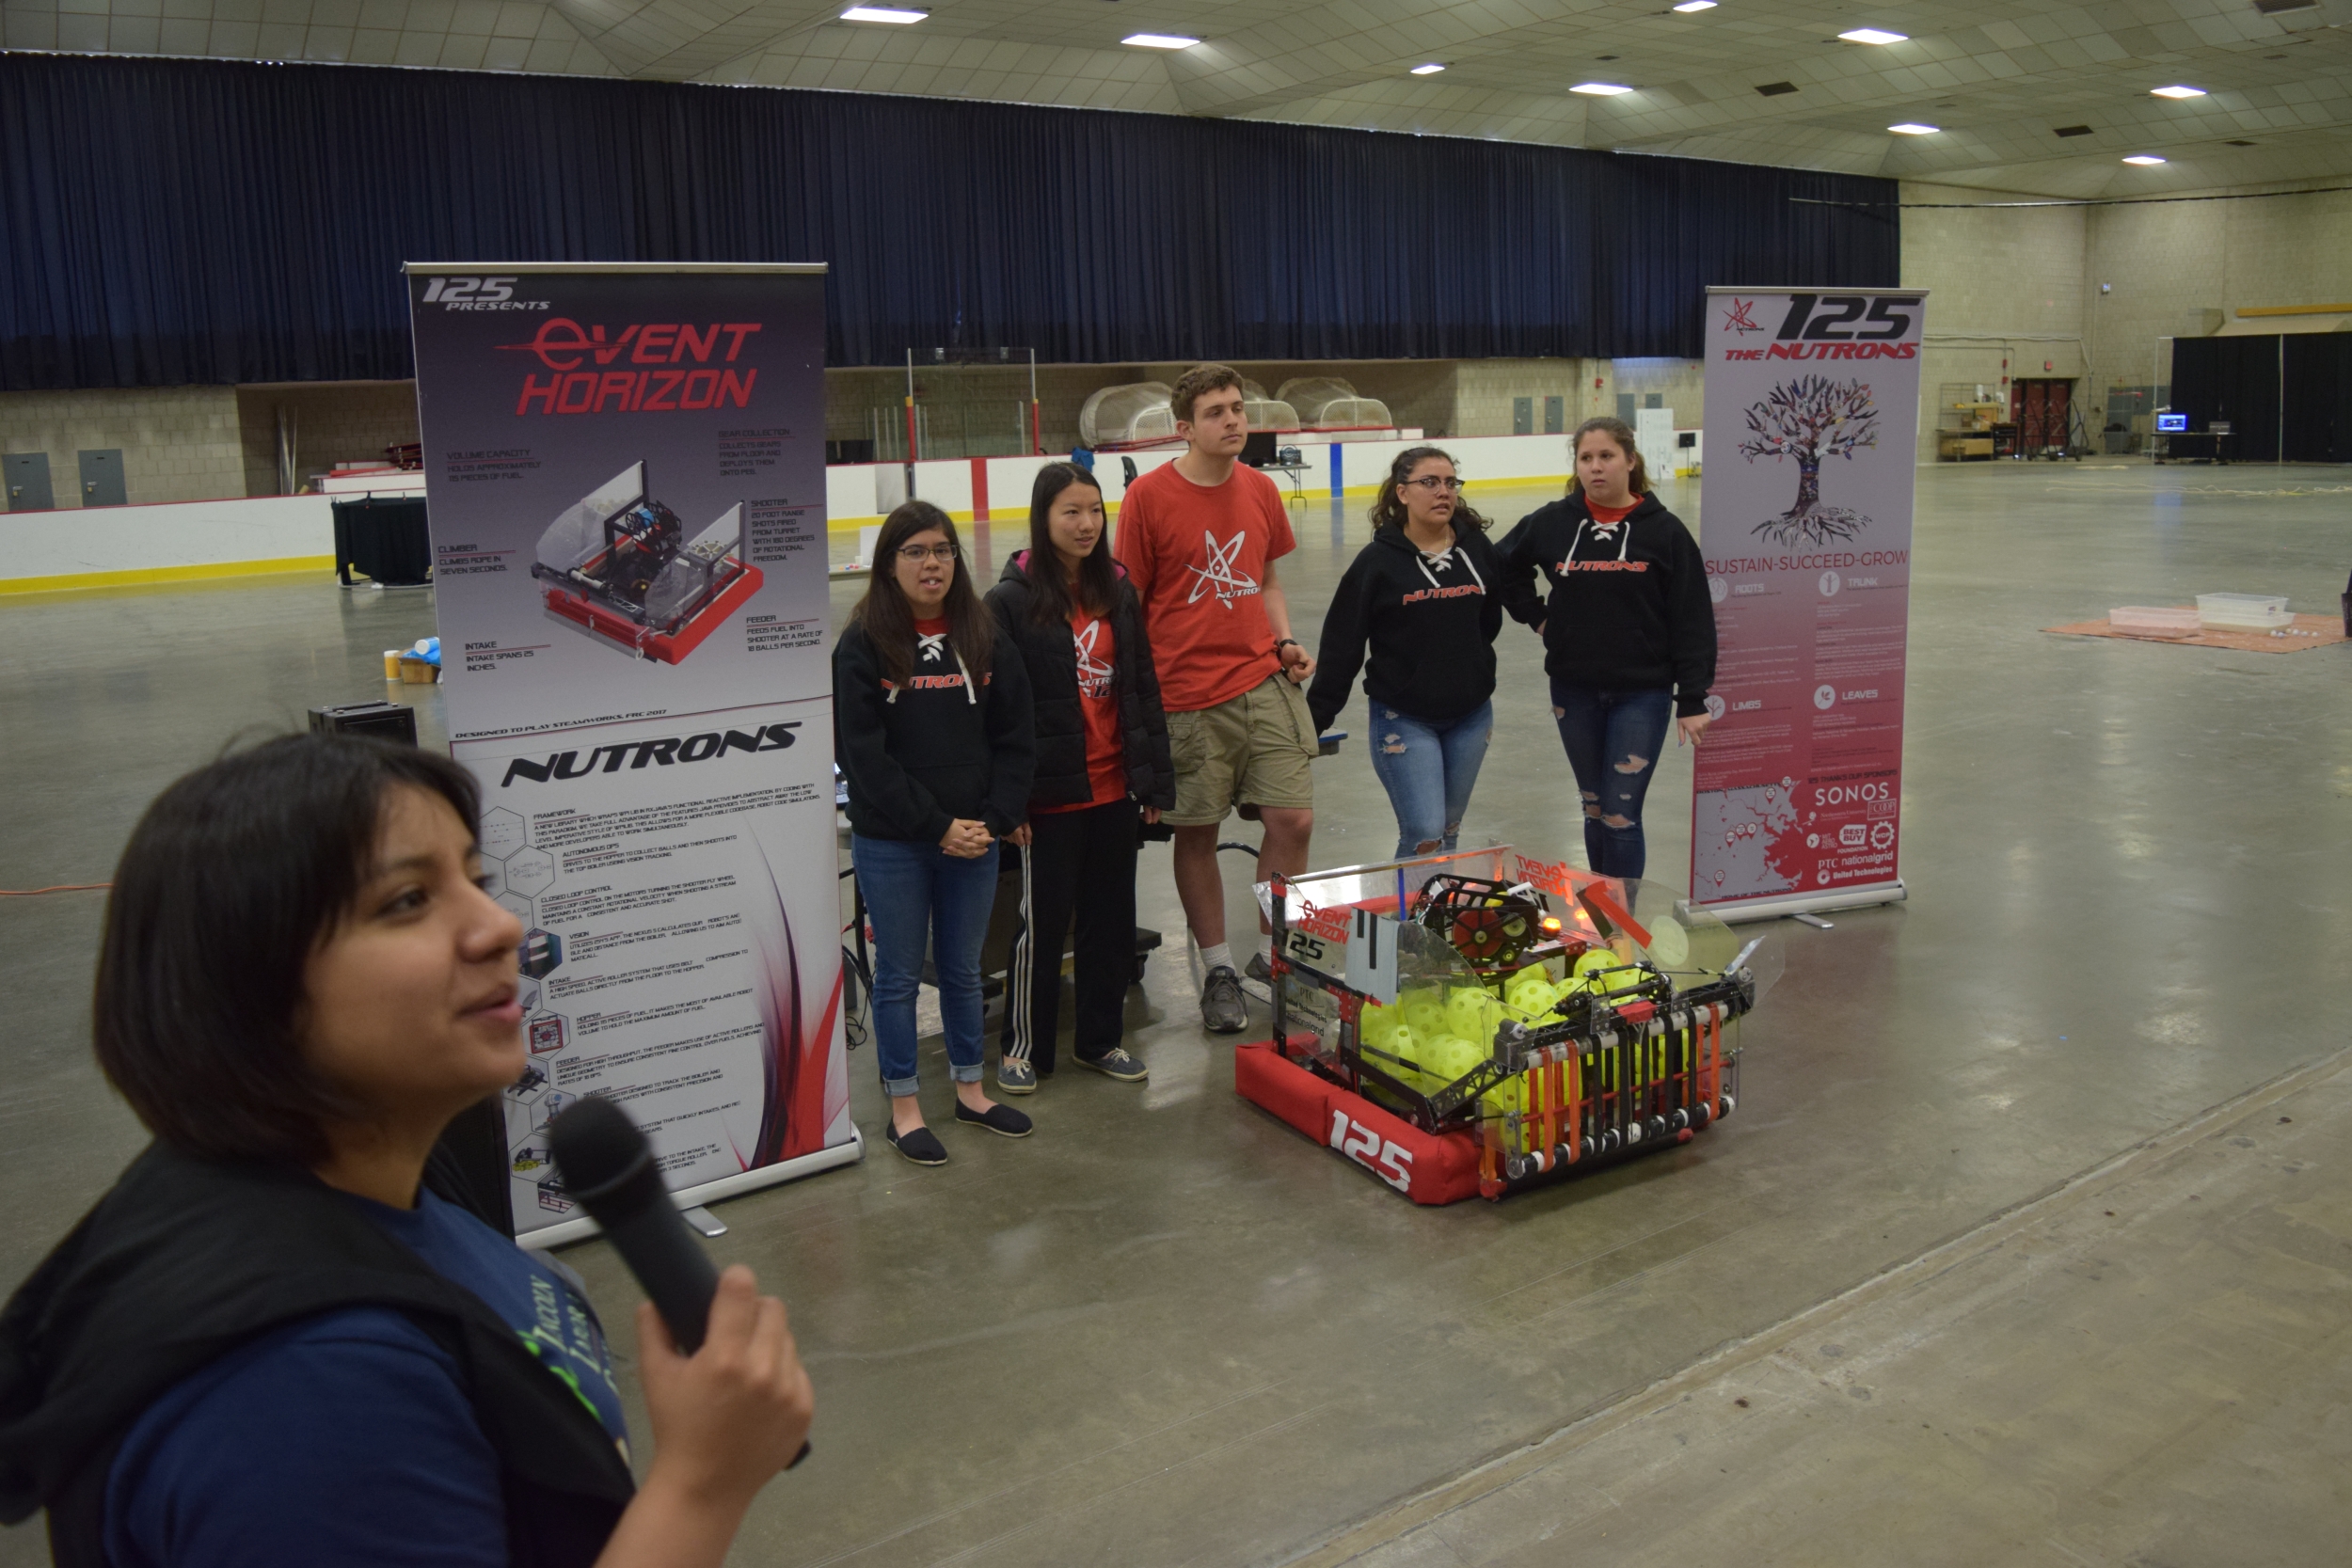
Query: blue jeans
[
  {"x": 1428, "y": 771},
  {"x": 915, "y": 891},
  {"x": 1612, "y": 739}
]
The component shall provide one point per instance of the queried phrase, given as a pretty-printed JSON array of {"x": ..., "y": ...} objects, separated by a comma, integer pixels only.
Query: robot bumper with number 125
[{"x": 1474, "y": 1022}]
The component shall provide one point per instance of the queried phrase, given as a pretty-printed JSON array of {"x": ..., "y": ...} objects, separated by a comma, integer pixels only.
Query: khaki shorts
[{"x": 1252, "y": 749}]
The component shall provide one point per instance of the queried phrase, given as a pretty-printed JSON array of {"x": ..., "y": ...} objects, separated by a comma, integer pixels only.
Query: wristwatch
[{"x": 1281, "y": 642}]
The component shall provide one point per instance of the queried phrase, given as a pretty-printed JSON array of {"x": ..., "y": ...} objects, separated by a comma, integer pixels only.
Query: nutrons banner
[
  {"x": 1812, "y": 414},
  {"x": 625, "y": 479}
]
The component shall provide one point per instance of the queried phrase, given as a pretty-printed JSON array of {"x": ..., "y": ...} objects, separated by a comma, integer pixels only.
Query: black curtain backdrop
[
  {"x": 2235, "y": 379},
  {"x": 2319, "y": 397},
  {"x": 165, "y": 222}
]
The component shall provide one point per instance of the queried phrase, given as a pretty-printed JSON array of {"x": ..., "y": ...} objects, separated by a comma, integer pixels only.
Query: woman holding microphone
[
  {"x": 932, "y": 727},
  {"x": 281, "y": 1338},
  {"x": 1102, "y": 769},
  {"x": 1628, "y": 633},
  {"x": 1423, "y": 597}
]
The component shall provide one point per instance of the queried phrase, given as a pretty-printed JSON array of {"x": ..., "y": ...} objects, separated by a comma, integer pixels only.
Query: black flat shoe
[
  {"x": 1002, "y": 1119},
  {"x": 922, "y": 1145}
]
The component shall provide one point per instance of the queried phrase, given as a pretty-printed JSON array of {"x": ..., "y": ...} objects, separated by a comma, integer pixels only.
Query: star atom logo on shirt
[
  {"x": 1095, "y": 674},
  {"x": 1218, "y": 576}
]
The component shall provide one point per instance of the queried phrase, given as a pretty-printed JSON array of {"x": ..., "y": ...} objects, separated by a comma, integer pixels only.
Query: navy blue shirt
[{"x": 348, "y": 1437}]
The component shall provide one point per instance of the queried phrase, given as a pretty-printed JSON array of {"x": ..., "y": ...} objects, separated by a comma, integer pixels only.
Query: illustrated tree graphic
[{"x": 1810, "y": 418}]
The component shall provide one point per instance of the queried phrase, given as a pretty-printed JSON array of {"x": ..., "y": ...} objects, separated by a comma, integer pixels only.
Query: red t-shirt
[
  {"x": 1611, "y": 514},
  {"x": 1098, "y": 699},
  {"x": 1198, "y": 557}
]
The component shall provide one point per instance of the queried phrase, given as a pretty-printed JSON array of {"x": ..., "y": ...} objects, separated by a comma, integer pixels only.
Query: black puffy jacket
[{"x": 1051, "y": 656}]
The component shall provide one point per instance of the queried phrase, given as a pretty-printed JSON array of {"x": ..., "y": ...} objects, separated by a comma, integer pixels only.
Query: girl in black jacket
[
  {"x": 1102, "y": 767},
  {"x": 1628, "y": 634},
  {"x": 1425, "y": 595},
  {"x": 931, "y": 729}
]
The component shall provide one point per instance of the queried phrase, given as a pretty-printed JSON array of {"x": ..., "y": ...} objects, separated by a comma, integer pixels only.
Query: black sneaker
[
  {"x": 1260, "y": 970},
  {"x": 1116, "y": 1063},
  {"x": 1001, "y": 1119},
  {"x": 1222, "y": 1009},
  {"x": 922, "y": 1145}
]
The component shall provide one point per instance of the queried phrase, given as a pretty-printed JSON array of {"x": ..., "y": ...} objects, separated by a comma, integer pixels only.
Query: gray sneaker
[
  {"x": 1116, "y": 1063},
  {"x": 1259, "y": 970},
  {"x": 1015, "y": 1076},
  {"x": 1222, "y": 1009}
]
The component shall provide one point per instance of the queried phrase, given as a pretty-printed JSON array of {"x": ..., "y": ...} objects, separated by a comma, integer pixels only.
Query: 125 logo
[
  {"x": 1381, "y": 1156},
  {"x": 1826, "y": 318},
  {"x": 487, "y": 291}
]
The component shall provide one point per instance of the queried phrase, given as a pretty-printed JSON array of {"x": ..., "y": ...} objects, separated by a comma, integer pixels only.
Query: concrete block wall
[
  {"x": 178, "y": 443},
  {"x": 2006, "y": 283},
  {"x": 2184, "y": 269}
]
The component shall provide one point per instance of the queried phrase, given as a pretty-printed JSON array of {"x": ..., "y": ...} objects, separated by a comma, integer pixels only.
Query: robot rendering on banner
[
  {"x": 1473, "y": 1023},
  {"x": 619, "y": 564}
]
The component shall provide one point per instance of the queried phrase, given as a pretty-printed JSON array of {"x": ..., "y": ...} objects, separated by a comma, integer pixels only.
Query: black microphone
[{"x": 607, "y": 1165}]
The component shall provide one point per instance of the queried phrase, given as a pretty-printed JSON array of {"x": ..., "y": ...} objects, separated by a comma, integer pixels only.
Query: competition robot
[{"x": 1475, "y": 1022}]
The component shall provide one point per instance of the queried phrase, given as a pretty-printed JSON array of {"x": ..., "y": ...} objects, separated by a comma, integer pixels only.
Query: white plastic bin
[
  {"x": 2153, "y": 621},
  {"x": 2243, "y": 612}
]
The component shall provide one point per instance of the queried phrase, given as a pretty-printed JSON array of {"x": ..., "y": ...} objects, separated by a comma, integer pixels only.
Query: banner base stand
[
  {"x": 564, "y": 1232},
  {"x": 1809, "y": 902}
]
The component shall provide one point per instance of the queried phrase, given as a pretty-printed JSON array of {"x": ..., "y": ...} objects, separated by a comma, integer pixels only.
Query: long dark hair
[
  {"x": 1049, "y": 582},
  {"x": 1388, "y": 507},
  {"x": 889, "y": 620},
  {"x": 232, "y": 879},
  {"x": 1637, "y": 480}
]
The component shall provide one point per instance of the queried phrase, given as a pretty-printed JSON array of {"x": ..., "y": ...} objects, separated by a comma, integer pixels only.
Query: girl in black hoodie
[
  {"x": 1424, "y": 594},
  {"x": 1102, "y": 769},
  {"x": 931, "y": 728},
  {"x": 1628, "y": 633}
]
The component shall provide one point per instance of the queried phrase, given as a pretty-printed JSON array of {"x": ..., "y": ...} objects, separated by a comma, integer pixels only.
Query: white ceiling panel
[{"x": 1999, "y": 78}]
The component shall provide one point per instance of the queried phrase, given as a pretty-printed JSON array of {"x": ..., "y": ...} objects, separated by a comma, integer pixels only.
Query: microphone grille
[{"x": 594, "y": 1143}]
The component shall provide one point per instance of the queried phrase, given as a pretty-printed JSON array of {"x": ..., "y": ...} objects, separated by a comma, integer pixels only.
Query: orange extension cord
[{"x": 65, "y": 887}]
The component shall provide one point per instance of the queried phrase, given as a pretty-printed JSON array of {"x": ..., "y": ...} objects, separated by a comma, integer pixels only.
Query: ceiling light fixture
[
  {"x": 1696, "y": 5},
  {"x": 2144, "y": 160},
  {"x": 1874, "y": 35},
  {"x": 1602, "y": 89},
  {"x": 2177, "y": 91},
  {"x": 881, "y": 13},
  {"x": 1429, "y": 69},
  {"x": 1908, "y": 129},
  {"x": 1158, "y": 40}
]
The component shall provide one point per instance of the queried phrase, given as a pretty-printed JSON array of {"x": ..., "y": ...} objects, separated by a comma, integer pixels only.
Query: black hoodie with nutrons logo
[
  {"x": 1628, "y": 609},
  {"x": 1428, "y": 621},
  {"x": 949, "y": 744}
]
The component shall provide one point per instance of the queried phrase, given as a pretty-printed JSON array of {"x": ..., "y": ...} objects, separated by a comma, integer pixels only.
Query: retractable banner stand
[
  {"x": 625, "y": 492},
  {"x": 1812, "y": 416}
]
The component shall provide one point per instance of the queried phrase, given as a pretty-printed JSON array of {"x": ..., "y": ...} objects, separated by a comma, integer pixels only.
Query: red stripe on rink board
[{"x": 979, "y": 489}]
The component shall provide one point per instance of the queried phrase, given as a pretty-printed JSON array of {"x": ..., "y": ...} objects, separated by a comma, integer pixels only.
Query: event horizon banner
[
  {"x": 1812, "y": 414},
  {"x": 626, "y": 497}
]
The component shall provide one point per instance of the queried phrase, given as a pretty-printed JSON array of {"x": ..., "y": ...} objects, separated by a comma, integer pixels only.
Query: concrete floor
[{"x": 1167, "y": 1330}]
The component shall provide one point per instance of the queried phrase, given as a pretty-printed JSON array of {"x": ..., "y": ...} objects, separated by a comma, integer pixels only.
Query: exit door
[
  {"x": 2037, "y": 407},
  {"x": 28, "y": 476},
  {"x": 102, "y": 478}
]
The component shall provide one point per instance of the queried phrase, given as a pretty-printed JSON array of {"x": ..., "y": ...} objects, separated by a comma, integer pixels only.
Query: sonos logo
[{"x": 478, "y": 294}]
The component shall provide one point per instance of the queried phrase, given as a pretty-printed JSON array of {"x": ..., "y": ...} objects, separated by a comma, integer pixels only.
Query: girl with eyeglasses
[
  {"x": 932, "y": 729},
  {"x": 1425, "y": 598},
  {"x": 1628, "y": 633}
]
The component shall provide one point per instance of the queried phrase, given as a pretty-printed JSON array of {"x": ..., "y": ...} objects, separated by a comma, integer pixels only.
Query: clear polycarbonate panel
[
  {"x": 689, "y": 576},
  {"x": 578, "y": 532},
  {"x": 1131, "y": 415},
  {"x": 1327, "y": 403}
]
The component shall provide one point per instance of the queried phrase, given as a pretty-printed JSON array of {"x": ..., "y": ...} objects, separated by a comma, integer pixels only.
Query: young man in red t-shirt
[{"x": 1199, "y": 538}]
